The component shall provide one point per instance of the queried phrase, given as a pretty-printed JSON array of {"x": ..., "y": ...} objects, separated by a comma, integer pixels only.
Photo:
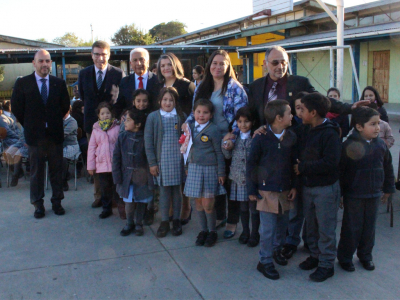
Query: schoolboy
[
  {"x": 270, "y": 181},
  {"x": 365, "y": 171},
  {"x": 319, "y": 167}
]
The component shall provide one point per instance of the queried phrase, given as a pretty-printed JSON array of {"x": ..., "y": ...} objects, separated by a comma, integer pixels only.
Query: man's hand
[
  {"x": 385, "y": 197},
  {"x": 91, "y": 172},
  {"x": 292, "y": 194},
  {"x": 154, "y": 171},
  {"x": 260, "y": 131},
  {"x": 360, "y": 103},
  {"x": 253, "y": 197},
  {"x": 114, "y": 93}
]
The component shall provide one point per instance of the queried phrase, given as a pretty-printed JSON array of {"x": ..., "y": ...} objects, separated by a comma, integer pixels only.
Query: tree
[
  {"x": 42, "y": 40},
  {"x": 131, "y": 35},
  {"x": 165, "y": 31},
  {"x": 1, "y": 73},
  {"x": 69, "y": 39}
]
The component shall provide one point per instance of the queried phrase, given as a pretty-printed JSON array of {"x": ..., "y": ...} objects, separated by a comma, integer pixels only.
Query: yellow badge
[
  {"x": 204, "y": 138},
  {"x": 176, "y": 126}
]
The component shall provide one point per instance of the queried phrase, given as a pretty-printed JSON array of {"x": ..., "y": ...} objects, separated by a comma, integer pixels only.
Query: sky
[{"x": 50, "y": 19}]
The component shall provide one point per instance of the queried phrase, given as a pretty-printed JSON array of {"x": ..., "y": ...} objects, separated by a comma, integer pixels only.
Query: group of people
[{"x": 237, "y": 151}]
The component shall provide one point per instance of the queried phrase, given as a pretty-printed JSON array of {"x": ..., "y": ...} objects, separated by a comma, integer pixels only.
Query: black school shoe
[
  {"x": 309, "y": 264},
  {"x": 127, "y": 230},
  {"x": 40, "y": 211},
  {"x": 201, "y": 238},
  {"x": 288, "y": 250},
  {"x": 163, "y": 229},
  {"x": 268, "y": 270},
  {"x": 368, "y": 265},
  {"x": 349, "y": 266},
  {"x": 279, "y": 258},
  {"x": 105, "y": 214},
  {"x": 254, "y": 240},
  {"x": 322, "y": 274},
  {"x": 58, "y": 209},
  {"x": 211, "y": 239}
]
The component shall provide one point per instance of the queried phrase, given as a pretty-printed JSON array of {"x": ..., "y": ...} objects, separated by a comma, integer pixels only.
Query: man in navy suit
[
  {"x": 98, "y": 83},
  {"x": 141, "y": 78},
  {"x": 39, "y": 102}
]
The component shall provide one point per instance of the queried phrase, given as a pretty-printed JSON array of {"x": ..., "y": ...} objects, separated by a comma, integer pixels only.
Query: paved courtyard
[{"x": 79, "y": 256}]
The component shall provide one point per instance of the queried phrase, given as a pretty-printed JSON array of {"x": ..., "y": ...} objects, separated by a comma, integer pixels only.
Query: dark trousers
[
  {"x": 107, "y": 190},
  {"x": 220, "y": 200},
  {"x": 53, "y": 153},
  {"x": 358, "y": 229}
]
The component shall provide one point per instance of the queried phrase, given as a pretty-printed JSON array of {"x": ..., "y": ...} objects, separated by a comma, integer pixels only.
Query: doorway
[{"x": 380, "y": 79}]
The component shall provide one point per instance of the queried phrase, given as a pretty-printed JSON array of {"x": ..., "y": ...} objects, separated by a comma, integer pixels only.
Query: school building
[{"x": 372, "y": 30}]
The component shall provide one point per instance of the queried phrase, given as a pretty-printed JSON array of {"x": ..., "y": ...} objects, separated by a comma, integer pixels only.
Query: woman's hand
[
  {"x": 154, "y": 171},
  {"x": 91, "y": 172}
]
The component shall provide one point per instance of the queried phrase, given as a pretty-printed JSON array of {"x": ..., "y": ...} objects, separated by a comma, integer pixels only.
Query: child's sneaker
[
  {"x": 201, "y": 238},
  {"x": 211, "y": 239}
]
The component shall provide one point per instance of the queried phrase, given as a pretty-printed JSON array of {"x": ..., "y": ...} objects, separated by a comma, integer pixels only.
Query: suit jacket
[
  {"x": 92, "y": 96},
  {"x": 128, "y": 86},
  {"x": 28, "y": 107},
  {"x": 294, "y": 85}
]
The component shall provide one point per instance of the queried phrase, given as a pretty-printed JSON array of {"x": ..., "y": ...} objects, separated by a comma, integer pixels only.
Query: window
[
  {"x": 381, "y": 18},
  {"x": 366, "y": 21}
]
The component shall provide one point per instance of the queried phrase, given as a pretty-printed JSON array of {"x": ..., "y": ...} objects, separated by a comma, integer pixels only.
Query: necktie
[
  {"x": 99, "y": 79},
  {"x": 43, "y": 91},
  {"x": 272, "y": 93},
  {"x": 196, "y": 130},
  {"x": 140, "y": 82}
]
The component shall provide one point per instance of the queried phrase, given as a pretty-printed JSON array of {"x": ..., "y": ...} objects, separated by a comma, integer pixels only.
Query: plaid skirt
[
  {"x": 238, "y": 192},
  {"x": 202, "y": 182},
  {"x": 71, "y": 151}
]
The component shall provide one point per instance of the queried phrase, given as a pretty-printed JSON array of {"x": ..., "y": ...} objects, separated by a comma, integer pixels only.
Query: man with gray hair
[{"x": 142, "y": 78}]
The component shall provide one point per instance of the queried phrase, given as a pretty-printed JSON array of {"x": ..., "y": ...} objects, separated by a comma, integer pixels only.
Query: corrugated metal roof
[{"x": 16, "y": 40}]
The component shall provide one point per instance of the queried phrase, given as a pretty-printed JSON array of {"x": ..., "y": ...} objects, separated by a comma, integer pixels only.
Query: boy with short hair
[
  {"x": 319, "y": 167},
  {"x": 365, "y": 171},
  {"x": 270, "y": 180}
]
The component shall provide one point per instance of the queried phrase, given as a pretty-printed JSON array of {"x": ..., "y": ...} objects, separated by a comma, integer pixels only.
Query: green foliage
[
  {"x": 131, "y": 35},
  {"x": 69, "y": 39},
  {"x": 1, "y": 73},
  {"x": 168, "y": 30},
  {"x": 42, "y": 40}
]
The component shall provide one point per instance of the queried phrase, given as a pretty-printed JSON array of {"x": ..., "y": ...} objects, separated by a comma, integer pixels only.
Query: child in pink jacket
[{"x": 99, "y": 157}]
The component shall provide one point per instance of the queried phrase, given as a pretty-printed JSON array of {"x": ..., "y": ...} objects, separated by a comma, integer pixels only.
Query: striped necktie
[
  {"x": 99, "y": 79},
  {"x": 272, "y": 93},
  {"x": 43, "y": 91}
]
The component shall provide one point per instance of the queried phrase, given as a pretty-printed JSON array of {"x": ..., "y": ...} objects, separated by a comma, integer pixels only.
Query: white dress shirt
[
  {"x": 245, "y": 136},
  {"x": 277, "y": 135},
  {"x": 39, "y": 83},
  {"x": 145, "y": 77},
  {"x": 201, "y": 126},
  {"x": 168, "y": 114},
  {"x": 104, "y": 72}
]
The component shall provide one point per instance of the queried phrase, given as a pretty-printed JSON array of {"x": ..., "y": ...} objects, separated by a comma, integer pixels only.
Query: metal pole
[
  {"x": 355, "y": 72},
  {"x": 332, "y": 76},
  {"x": 340, "y": 42},
  {"x": 63, "y": 67}
]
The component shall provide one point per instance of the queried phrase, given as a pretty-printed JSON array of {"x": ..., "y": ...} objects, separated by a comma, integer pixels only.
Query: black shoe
[
  {"x": 176, "y": 227},
  {"x": 268, "y": 270},
  {"x": 322, "y": 274},
  {"x": 309, "y": 264},
  {"x": 97, "y": 203},
  {"x": 288, "y": 250},
  {"x": 163, "y": 229},
  {"x": 244, "y": 238},
  {"x": 368, "y": 265},
  {"x": 254, "y": 240},
  {"x": 14, "y": 181},
  {"x": 65, "y": 186},
  {"x": 58, "y": 209},
  {"x": 201, "y": 238},
  {"x": 211, "y": 239},
  {"x": 149, "y": 217},
  {"x": 279, "y": 258},
  {"x": 105, "y": 214},
  {"x": 139, "y": 230},
  {"x": 349, "y": 266},
  {"x": 127, "y": 230},
  {"x": 40, "y": 212}
]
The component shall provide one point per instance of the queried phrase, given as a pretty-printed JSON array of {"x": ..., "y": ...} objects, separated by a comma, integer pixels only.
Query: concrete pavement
[{"x": 79, "y": 256}]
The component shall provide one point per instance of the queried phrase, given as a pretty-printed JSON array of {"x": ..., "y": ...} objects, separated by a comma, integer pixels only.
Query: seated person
[
  {"x": 12, "y": 129},
  {"x": 15, "y": 153}
]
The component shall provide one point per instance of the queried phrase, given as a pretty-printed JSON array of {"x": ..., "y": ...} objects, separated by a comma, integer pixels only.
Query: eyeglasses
[
  {"x": 277, "y": 62},
  {"x": 97, "y": 55}
]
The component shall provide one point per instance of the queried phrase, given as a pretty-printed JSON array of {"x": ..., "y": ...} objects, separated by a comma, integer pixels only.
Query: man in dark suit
[
  {"x": 142, "y": 78},
  {"x": 39, "y": 102},
  {"x": 98, "y": 83}
]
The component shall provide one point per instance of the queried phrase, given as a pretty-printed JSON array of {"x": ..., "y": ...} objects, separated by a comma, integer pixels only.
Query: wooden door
[{"x": 380, "y": 79}]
